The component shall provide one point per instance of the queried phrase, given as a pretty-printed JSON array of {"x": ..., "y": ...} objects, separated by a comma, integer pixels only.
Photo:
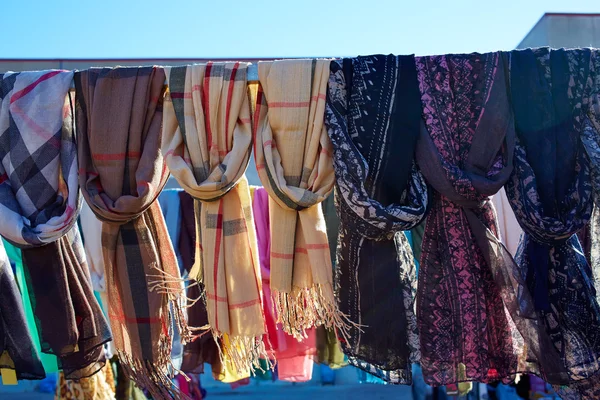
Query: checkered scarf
[
  {"x": 206, "y": 143},
  {"x": 294, "y": 162},
  {"x": 119, "y": 117},
  {"x": 39, "y": 205}
]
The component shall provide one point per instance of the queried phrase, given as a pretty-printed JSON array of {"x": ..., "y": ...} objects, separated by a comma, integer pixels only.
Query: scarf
[
  {"x": 293, "y": 159},
  {"x": 373, "y": 114},
  {"x": 206, "y": 142},
  {"x": 204, "y": 349},
  {"x": 119, "y": 115},
  {"x": 39, "y": 204},
  {"x": 17, "y": 351},
  {"x": 551, "y": 195},
  {"x": 469, "y": 287}
]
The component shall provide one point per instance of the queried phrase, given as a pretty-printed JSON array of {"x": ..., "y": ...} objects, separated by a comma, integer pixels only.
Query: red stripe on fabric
[
  {"x": 269, "y": 143},
  {"x": 326, "y": 152},
  {"x": 29, "y": 88},
  {"x": 301, "y": 250},
  {"x": 320, "y": 96},
  {"x": 37, "y": 129},
  {"x": 219, "y": 233},
  {"x": 260, "y": 166},
  {"x": 196, "y": 88},
  {"x": 317, "y": 246},
  {"x": 289, "y": 104},
  {"x": 229, "y": 96},
  {"x": 115, "y": 156},
  {"x": 282, "y": 256},
  {"x": 206, "y": 103},
  {"x": 82, "y": 171},
  {"x": 217, "y": 298},
  {"x": 244, "y": 304},
  {"x": 3, "y": 178},
  {"x": 244, "y": 120},
  {"x": 141, "y": 320}
]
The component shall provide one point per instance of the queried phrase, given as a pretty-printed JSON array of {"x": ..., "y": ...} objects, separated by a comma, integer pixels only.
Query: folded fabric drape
[
  {"x": 15, "y": 339},
  {"x": 373, "y": 114},
  {"x": 206, "y": 142},
  {"x": 551, "y": 195},
  {"x": 119, "y": 116},
  {"x": 469, "y": 298},
  {"x": 293, "y": 159},
  {"x": 39, "y": 204}
]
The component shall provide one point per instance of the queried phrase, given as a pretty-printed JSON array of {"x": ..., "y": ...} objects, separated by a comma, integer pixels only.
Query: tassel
[{"x": 305, "y": 308}]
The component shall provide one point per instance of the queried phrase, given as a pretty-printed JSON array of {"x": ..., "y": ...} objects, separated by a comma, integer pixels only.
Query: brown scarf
[
  {"x": 119, "y": 117},
  {"x": 294, "y": 162},
  {"x": 206, "y": 142}
]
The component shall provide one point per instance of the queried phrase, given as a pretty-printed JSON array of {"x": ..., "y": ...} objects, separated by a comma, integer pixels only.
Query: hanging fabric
[
  {"x": 293, "y": 159},
  {"x": 39, "y": 203},
  {"x": 294, "y": 358},
  {"x": 17, "y": 351},
  {"x": 551, "y": 195},
  {"x": 469, "y": 297},
  {"x": 373, "y": 114},
  {"x": 119, "y": 116},
  {"x": 204, "y": 349},
  {"x": 206, "y": 143}
]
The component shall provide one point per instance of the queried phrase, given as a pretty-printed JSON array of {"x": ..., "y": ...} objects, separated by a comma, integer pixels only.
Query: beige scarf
[
  {"x": 294, "y": 162},
  {"x": 206, "y": 142}
]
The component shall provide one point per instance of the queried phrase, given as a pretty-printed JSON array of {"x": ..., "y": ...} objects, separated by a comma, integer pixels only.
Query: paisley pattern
[
  {"x": 372, "y": 115},
  {"x": 550, "y": 192},
  {"x": 465, "y": 153}
]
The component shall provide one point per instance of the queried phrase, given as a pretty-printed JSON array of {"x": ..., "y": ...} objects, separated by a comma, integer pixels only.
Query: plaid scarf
[
  {"x": 39, "y": 204},
  {"x": 119, "y": 117},
  {"x": 551, "y": 195},
  {"x": 373, "y": 116},
  {"x": 17, "y": 350},
  {"x": 206, "y": 142},
  {"x": 294, "y": 161},
  {"x": 466, "y": 275}
]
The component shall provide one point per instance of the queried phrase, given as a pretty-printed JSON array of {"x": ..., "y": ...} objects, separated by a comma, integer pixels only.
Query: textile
[
  {"x": 294, "y": 357},
  {"x": 101, "y": 386},
  {"x": 39, "y": 204},
  {"x": 204, "y": 349},
  {"x": 15, "y": 339},
  {"x": 551, "y": 195},
  {"x": 119, "y": 115},
  {"x": 49, "y": 361},
  {"x": 206, "y": 143},
  {"x": 293, "y": 159},
  {"x": 467, "y": 295},
  {"x": 91, "y": 232},
  {"x": 508, "y": 227},
  {"x": 373, "y": 114}
]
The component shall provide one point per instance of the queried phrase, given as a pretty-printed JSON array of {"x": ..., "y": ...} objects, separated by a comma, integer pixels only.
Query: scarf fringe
[
  {"x": 151, "y": 377},
  {"x": 305, "y": 308},
  {"x": 241, "y": 353}
]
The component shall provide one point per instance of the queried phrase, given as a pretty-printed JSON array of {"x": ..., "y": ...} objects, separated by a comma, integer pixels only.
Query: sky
[{"x": 260, "y": 28}]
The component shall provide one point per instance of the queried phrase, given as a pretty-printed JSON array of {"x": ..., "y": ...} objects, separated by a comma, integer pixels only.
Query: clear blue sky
[{"x": 257, "y": 28}]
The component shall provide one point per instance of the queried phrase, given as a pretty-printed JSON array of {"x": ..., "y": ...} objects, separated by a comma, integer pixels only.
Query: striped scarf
[
  {"x": 206, "y": 142},
  {"x": 373, "y": 116},
  {"x": 119, "y": 117},
  {"x": 39, "y": 204},
  {"x": 294, "y": 161},
  {"x": 551, "y": 195}
]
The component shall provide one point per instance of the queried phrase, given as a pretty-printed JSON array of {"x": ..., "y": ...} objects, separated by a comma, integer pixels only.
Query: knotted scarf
[
  {"x": 469, "y": 298},
  {"x": 294, "y": 162},
  {"x": 119, "y": 117},
  {"x": 373, "y": 113},
  {"x": 206, "y": 142},
  {"x": 17, "y": 350},
  {"x": 551, "y": 195},
  {"x": 39, "y": 204}
]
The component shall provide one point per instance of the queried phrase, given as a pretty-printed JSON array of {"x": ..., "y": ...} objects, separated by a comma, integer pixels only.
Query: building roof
[{"x": 567, "y": 30}]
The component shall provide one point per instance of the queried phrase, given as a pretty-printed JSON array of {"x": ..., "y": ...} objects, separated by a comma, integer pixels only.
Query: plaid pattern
[
  {"x": 39, "y": 204},
  {"x": 206, "y": 143},
  {"x": 119, "y": 116},
  {"x": 294, "y": 162}
]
